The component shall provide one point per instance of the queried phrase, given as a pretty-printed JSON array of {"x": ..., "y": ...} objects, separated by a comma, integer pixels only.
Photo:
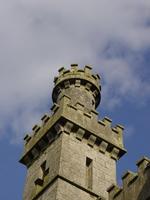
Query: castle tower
[{"x": 72, "y": 155}]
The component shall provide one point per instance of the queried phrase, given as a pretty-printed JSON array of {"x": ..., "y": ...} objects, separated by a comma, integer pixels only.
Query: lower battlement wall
[{"x": 136, "y": 186}]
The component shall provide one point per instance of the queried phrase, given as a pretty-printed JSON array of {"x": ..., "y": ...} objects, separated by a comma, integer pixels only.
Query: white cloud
[
  {"x": 122, "y": 82},
  {"x": 38, "y": 36}
]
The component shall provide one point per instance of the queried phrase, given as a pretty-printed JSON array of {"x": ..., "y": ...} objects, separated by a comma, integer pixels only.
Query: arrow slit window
[{"x": 89, "y": 172}]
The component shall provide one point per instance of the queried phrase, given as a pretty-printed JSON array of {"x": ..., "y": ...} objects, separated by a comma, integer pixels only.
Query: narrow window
[
  {"x": 44, "y": 170},
  {"x": 42, "y": 174},
  {"x": 89, "y": 172}
]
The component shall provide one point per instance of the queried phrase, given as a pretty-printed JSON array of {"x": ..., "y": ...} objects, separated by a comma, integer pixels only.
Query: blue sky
[{"x": 38, "y": 37}]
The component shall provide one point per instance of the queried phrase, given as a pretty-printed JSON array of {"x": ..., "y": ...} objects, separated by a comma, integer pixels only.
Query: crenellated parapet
[
  {"x": 73, "y": 111},
  {"x": 135, "y": 185},
  {"x": 84, "y": 126},
  {"x": 71, "y": 153},
  {"x": 79, "y": 84}
]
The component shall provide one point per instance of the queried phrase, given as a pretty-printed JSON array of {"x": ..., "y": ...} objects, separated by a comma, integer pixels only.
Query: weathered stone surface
[
  {"x": 52, "y": 157},
  {"x": 136, "y": 186},
  {"x": 72, "y": 154},
  {"x": 73, "y": 165}
]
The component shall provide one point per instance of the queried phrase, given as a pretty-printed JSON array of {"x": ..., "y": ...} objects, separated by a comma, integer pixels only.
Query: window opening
[
  {"x": 44, "y": 170},
  {"x": 43, "y": 173}
]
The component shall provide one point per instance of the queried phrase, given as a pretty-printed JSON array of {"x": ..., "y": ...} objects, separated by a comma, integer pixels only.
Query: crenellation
[
  {"x": 61, "y": 71},
  {"x": 118, "y": 133},
  {"x": 142, "y": 164},
  {"x": 74, "y": 67},
  {"x": 120, "y": 128},
  {"x": 101, "y": 122},
  {"x": 73, "y": 154},
  {"x": 33, "y": 153},
  {"x": 77, "y": 77},
  {"x": 94, "y": 114},
  {"x": 36, "y": 128},
  {"x": 79, "y": 150},
  {"x": 118, "y": 193},
  {"x": 55, "y": 79},
  {"x": 133, "y": 179},
  {"x": 107, "y": 121},
  {"x": 75, "y": 72},
  {"x": 66, "y": 71},
  {"x": 94, "y": 76},
  {"x": 88, "y": 69},
  {"x": 88, "y": 115},
  {"x": 99, "y": 126},
  {"x": 27, "y": 138},
  {"x": 45, "y": 118},
  {"x": 98, "y": 76},
  {"x": 55, "y": 107},
  {"x": 114, "y": 130},
  {"x": 128, "y": 177},
  {"x": 135, "y": 185},
  {"x": 113, "y": 191},
  {"x": 81, "y": 71}
]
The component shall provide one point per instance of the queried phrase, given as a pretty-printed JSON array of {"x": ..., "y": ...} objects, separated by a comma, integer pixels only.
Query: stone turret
[
  {"x": 72, "y": 154},
  {"x": 80, "y": 85}
]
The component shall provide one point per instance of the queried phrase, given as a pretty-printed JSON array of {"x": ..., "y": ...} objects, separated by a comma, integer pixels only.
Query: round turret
[{"x": 79, "y": 84}]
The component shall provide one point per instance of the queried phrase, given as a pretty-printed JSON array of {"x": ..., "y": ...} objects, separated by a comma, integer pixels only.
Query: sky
[{"x": 37, "y": 37}]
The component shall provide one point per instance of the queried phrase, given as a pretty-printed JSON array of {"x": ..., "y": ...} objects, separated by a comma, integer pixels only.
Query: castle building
[{"x": 72, "y": 154}]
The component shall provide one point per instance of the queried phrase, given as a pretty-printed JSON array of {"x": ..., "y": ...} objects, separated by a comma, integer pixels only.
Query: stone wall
[
  {"x": 73, "y": 165},
  {"x": 72, "y": 154},
  {"x": 136, "y": 186},
  {"x": 34, "y": 179}
]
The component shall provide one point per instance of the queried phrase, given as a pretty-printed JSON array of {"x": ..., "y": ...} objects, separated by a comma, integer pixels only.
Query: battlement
[
  {"x": 72, "y": 119},
  {"x": 71, "y": 153},
  {"x": 76, "y": 72},
  {"x": 81, "y": 79},
  {"x": 135, "y": 185}
]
